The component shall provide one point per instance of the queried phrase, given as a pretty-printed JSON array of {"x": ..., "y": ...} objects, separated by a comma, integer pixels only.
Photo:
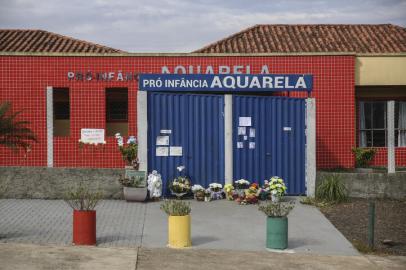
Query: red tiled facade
[{"x": 25, "y": 78}]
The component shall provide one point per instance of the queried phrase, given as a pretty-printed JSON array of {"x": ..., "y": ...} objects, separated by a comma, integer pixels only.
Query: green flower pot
[{"x": 277, "y": 232}]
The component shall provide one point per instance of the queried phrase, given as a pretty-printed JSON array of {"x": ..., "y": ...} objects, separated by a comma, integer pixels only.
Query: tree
[{"x": 14, "y": 133}]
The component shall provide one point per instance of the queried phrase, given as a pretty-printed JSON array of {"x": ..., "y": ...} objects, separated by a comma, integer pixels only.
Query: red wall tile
[{"x": 24, "y": 80}]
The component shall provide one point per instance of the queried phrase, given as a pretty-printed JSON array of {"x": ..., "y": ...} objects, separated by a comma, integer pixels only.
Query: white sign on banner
[
  {"x": 92, "y": 135},
  {"x": 175, "y": 151},
  {"x": 244, "y": 121}
]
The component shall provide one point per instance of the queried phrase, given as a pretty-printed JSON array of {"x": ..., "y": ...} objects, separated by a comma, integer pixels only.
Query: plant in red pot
[{"x": 83, "y": 202}]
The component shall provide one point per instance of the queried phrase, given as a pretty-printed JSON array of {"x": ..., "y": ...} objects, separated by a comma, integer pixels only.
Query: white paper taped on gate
[
  {"x": 162, "y": 151},
  {"x": 252, "y": 132},
  {"x": 245, "y": 137},
  {"x": 244, "y": 121},
  {"x": 287, "y": 128},
  {"x": 162, "y": 140},
  {"x": 166, "y": 131},
  {"x": 241, "y": 130},
  {"x": 175, "y": 151},
  {"x": 240, "y": 144},
  {"x": 252, "y": 145}
]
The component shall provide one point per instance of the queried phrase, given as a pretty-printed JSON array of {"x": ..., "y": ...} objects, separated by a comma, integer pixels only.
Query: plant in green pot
[
  {"x": 83, "y": 202},
  {"x": 277, "y": 223}
]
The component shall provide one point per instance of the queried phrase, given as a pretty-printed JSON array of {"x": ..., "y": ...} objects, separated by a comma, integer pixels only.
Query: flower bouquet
[
  {"x": 251, "y": 194},
  {"x": 180, "y": 186},
  {"x": 128, "y": 151},
  {"x": 277, "y": 188},
  {"x": 216, "y": 191},
  {"x": 265, "y": 191},
  {"x": 240, "y": 186},
  {"x": 198, "y": 191},
  {"x": 229, "y": 190}
]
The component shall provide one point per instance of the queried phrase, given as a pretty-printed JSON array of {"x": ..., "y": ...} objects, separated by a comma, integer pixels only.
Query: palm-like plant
[{"x": 14, "y": 133}]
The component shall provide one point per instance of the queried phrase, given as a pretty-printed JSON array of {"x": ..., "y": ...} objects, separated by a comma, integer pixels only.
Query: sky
[{"x": 181, "y": 25}]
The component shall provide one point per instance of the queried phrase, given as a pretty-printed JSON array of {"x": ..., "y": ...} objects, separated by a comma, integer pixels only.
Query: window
[
  {"x": 116, "y": 111},
  {"x": 61, "y": 106},
  {"x": 373, "y": 124}
]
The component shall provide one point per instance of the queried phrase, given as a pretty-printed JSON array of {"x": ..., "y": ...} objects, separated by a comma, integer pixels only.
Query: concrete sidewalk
[
  {"x": 215, "y": 225},
  {"x": 43, "y": 257},
  {"x": 226, "y": 225}
]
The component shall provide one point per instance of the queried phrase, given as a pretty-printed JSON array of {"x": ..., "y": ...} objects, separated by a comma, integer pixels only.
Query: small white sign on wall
[
  {"x": 162, "y": 151},
  {"x": 244, "y": 121},
  {"x": 92, "y": 135},
  {"x": 162, "y": 140},
  {"x": 175, "y": 151}
]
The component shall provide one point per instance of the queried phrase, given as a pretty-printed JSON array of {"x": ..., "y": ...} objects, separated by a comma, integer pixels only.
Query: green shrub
[
  {"x": 82, "y": 198},
  {"x": 176, "y": 208},
  {"x": 363, "y": 156},
  {"x": 278, "y": 209},
  {"x": 331, "y": 189}
]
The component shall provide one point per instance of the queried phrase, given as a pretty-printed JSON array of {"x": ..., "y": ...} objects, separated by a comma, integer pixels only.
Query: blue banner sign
[{"x": 225, "y": 82}]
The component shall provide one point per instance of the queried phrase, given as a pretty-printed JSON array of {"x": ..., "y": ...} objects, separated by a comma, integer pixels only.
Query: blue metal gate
[
  {"x": 192, "y": 126},
  {"x": 269, "y": 140}
]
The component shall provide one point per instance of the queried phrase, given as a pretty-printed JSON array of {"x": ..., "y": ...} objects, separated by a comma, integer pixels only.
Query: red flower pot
[{"x": 84, "y": 227}]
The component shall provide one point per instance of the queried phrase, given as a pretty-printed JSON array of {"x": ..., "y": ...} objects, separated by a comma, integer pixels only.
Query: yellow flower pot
[{"x": 179, "y": 233}]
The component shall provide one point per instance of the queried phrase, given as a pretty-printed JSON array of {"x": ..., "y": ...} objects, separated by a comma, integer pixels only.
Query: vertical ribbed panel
[
  {"x": 277, "y": 152},
  {"x": 197, "y": 124}
]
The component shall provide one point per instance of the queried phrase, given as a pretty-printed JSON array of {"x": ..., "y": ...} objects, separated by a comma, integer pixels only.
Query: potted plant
[
  {"x": 134, "y": 186},
  {"x": 277, "y": 224},
  {"x": 83, "y": 202},
  {"x": 179, "y": 230},
  {"x": 363, "y": 157},
  {"x": 277, "y": 188},
  {"x": 216, "y": 191},
  {"x": 198, "y": 192},
  {"x": 129, "y": 151}
]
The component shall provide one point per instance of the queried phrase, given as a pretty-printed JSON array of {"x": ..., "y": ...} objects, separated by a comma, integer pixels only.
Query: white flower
[
  {"x": 117, "y": 135},
  {"x": 131, "y": 139},
  {"x": 215, "y": 185},
  {"x": 196, "y": 188},
  {"x": 120, "y": 141},
  {"x": 181, "y": 168}
]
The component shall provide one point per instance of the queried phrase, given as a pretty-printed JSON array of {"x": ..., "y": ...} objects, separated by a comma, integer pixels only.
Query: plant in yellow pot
[{"x": 179, "y": 231}]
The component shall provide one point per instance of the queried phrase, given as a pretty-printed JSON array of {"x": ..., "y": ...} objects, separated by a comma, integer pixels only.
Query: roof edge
[
  {"x": 160, "y": 54},
  {"x": 56, "y": 54}
]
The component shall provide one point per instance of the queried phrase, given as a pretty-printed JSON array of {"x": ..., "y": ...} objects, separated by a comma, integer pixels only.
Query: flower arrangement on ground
[
  {"x": 216, "y": 191},
  {"x": 242, "y": 184},
  {"x": 264, "y": 191},
  {"x": 129, "y": 151},
  {"x": 229, "y": 190},
  {"x": 198, "y": 192},
  {"x": 251, "y": 195},
  {"x": 277, "y": 188},
  {"x": 180, "y": 186}
]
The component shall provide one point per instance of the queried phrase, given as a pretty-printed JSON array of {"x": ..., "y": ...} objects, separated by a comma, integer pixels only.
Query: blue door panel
[
  {"x": 279, "y": 124},
  {"x": 197, "y": 125}
]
